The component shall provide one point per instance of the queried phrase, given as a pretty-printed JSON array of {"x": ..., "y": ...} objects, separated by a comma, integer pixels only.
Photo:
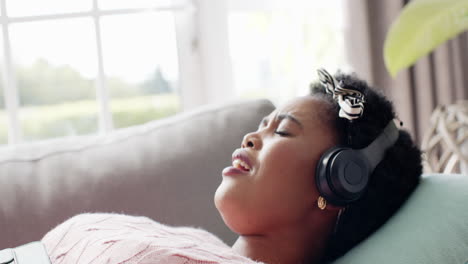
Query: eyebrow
[
  {"x": 281, "y": 117},
  {"x": 290, "y": 117}
]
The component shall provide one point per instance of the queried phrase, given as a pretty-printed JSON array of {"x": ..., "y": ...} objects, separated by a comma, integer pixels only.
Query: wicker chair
[{"x": 445, "y": 144}]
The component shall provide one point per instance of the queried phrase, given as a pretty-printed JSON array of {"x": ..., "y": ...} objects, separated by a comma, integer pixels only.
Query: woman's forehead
[{"x": 305, "y": 108}]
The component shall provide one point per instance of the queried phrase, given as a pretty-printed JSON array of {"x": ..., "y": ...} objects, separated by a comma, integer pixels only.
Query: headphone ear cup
[
  {"x": 342, "y": 175},
  {"x": 322, "y": 175}
]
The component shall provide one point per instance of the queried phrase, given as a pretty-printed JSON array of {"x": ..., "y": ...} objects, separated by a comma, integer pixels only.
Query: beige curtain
[{"x": 437, "y": 79}]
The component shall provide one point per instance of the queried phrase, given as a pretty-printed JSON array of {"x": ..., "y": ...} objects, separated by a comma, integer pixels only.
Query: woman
[{"x": 274, "y": 195}]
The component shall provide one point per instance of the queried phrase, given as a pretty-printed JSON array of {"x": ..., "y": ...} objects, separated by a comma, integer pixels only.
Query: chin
[
  {"x": 229, "y": 208},
  {"x": 226, "y": 194},
  {"x": 241, "y": 218},
  {"x": 225, "y": 200}
]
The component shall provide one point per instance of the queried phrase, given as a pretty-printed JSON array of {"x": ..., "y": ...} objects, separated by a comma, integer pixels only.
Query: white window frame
[{"x": 202, "y": 44}]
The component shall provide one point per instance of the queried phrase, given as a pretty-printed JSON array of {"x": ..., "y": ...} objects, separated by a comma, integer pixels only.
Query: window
[
  {"x": 150, "y": 68},
  {"x": 55, "y": 77},
  {"x": 75, "y": 67},
  {"x": 84, "y": 67}
]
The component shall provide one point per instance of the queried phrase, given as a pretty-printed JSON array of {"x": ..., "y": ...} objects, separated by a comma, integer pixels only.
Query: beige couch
[{"x": 167, "y": 170}]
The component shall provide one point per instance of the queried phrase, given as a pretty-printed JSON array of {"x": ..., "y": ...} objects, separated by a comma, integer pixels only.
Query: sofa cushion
[
  {"x": 167, "y": 170},
  {"x": 430, "y": 228}
]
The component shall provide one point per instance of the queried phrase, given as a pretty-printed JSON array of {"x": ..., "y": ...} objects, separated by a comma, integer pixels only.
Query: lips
[
  {"x": 241, "y": 164},
  {"x": 241, "y": 160}
]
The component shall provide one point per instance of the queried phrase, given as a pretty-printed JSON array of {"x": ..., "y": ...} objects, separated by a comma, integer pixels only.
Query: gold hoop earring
[{"x": 321, "y": 203}]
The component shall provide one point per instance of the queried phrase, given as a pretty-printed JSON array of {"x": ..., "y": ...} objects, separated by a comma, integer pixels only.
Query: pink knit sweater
[{"x": 114, "y": 238}]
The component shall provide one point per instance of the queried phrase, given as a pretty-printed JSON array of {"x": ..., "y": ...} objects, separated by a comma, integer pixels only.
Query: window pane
[
  {"x": 115, "y": 4},
  {"x": 276, "y": 50},
  {"x": 43, "y": 7},
  {"x": 140, "y": 61},
  {"x": 55, "y": 77}
]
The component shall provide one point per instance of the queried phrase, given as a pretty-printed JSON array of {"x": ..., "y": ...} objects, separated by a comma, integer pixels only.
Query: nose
[{"x": 252, "y": 140}]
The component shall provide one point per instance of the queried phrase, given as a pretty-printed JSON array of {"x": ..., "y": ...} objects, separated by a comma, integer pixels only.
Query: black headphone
[{"x": 342, "y": 174}]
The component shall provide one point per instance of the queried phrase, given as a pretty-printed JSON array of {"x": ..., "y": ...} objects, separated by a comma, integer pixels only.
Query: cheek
[
  {"x": 286, "y": 182},
  {"x": 288, "y": 160}
]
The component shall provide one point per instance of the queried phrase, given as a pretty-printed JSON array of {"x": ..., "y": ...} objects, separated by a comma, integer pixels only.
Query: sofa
[{"x": 169, "y": 169}]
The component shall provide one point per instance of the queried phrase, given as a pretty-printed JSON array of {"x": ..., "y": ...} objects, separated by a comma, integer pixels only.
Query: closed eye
[
  {"x": 282, "y": 133},
  {"x": 264, "y": 123}
]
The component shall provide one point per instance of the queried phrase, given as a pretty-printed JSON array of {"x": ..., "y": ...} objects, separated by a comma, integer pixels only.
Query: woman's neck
[{"x": 292, "y": 246}]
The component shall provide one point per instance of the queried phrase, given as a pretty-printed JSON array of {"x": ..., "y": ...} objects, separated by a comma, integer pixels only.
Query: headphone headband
[{"x": 375, "y": 152}]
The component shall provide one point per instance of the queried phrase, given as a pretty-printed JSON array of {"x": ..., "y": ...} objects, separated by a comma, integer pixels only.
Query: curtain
[{"x": 436, "y": 79}]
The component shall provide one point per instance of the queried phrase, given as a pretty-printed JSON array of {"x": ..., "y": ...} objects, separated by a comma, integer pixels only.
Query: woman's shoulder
[{"x": 115, "y": 238}]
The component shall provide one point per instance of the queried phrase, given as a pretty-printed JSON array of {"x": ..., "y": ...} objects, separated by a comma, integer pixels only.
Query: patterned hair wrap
[{"x": 351, "y": 101}]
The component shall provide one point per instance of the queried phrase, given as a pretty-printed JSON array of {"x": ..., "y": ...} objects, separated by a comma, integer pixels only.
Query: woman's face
[{"x": 274, "y": 185}]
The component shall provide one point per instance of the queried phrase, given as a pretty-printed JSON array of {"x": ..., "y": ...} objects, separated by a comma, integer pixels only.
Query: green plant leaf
[{"x": 420, "y": 28}]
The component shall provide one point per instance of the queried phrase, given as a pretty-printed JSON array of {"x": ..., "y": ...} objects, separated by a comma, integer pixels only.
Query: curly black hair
[{"x": 392, "y": 181}]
